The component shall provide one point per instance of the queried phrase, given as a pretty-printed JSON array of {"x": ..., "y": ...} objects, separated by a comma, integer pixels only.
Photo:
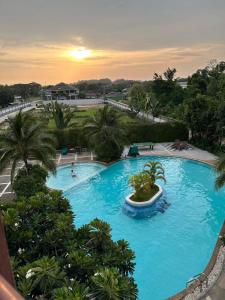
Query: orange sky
[
  {"x": 55, "y": 63},
  {"x": 119, "y": 39}
]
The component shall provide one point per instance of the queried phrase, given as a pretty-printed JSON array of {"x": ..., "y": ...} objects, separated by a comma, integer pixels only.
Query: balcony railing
[{"x": 7, "y": 292}]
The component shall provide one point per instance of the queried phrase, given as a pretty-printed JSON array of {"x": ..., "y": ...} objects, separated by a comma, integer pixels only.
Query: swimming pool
[{"x": 170, "y": 247}]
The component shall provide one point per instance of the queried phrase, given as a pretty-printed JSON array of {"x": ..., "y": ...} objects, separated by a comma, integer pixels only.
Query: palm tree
[
  {"x": 144, "y": 181},
  {"x": 26, "y": 139},
  {"x": 155, "y": 171},
  {"x": 152, "y": 105},
  {"x": 220, "y": 168},
  {"x": 61, "y": 113},
  {"x": 105, "y": 133}
]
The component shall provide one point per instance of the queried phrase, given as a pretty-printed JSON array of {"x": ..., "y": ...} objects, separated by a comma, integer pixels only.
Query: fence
[
  {"x": 9, "y": 110},
  {"x": 141, "y": 114}
]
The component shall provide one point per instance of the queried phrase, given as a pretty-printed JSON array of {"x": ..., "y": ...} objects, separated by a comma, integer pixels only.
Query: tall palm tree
[
  {"x": 220, "y": 168},
  {"x": 26, "y": 139},
  {"x": 104, "y": 132},
  {"x": 61, "y": 113}
]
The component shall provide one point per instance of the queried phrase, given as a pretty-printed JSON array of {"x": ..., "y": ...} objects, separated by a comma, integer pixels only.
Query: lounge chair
[{"x": 64, "y": 151}]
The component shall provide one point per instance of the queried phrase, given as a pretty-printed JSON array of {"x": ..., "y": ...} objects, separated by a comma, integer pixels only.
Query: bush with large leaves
[
  {"x": 54, "y": 260},
  {"x": 26, "y": 185}
]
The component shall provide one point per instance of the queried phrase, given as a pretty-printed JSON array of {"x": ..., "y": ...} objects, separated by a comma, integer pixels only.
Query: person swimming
[{"x": 73, "y": 174}]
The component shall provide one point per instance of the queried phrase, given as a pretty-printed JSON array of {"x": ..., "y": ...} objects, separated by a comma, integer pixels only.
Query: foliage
[
  {"x": 6, "y": 96},
  {"x": 144, "y": 182},
  {"x": 54, "y": 260},
  {"x": 204, "y": 106},
  {"x": 61, "y": 113},
  {"x": 157, "y": 132},
  {"x": 167, "y": 91},
  {"x": 105, "y": 134},
  {"x": 109, "y": 284},
  {"x": 137, "y": 98},
  {"x": 220, "y": 168},
  {"x": 152, "y": 105},
  {"x": 26, "y": 139},
  {"x": 26, "y": 90},
  {"x": 26, "y": 185}
]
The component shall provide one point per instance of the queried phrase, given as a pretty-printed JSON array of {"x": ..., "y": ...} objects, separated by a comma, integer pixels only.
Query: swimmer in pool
[{"x": 73, "y": 173}]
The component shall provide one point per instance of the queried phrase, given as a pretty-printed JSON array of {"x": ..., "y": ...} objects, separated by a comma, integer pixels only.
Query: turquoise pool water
[{"x": 170, "y": 247}]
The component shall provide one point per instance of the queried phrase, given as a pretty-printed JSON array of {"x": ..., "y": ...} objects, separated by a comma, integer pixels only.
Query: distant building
[
  {"x": 18, "y": 99},
  {"x": 60, "y": 91},
  {"x": 183, "y": 84},
  {"x": 91, "y": 95}
]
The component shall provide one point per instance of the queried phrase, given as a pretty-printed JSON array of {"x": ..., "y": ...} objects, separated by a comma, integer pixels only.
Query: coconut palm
[
  {"x": 155, "y": 171},
  {"x": 220, "y": 168},
  {"x": 61, "y": 113},
  {"x": 26, "y": 139},
  {"x": 105, "y": 133}
]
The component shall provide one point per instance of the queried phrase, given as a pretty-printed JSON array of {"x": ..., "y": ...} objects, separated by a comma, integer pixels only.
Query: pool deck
[
  {"x": 160, "y": 149},
  {"x": 217, "y": 292}
]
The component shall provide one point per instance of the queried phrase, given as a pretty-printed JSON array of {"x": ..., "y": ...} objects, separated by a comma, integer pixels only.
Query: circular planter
[{"x": 145, "y": 203}]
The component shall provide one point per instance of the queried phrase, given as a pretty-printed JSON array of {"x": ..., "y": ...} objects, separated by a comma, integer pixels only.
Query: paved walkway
[
  {"x": 163, "y": 149},
  {"x": 6, "y": 192},
  {"x": 217, "y": 292}
]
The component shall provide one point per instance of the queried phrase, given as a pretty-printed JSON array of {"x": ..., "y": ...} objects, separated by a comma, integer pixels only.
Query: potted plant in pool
[{"x": 146, "y": 190}]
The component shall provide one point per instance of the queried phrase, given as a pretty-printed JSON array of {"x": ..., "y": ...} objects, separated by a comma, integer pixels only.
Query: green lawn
[{"x": 82, "y": 114}]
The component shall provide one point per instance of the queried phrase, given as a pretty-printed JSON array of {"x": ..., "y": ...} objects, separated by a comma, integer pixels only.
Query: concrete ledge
[
  {"x": 204, "y": 275},
  {"x": 145, "y": 203}
]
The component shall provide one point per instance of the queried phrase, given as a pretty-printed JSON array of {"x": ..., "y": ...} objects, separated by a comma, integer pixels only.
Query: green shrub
[
  {"x": 54, "y": 260},
  {"x": 70, "y": 137},
  {"x": 157, "y": 132},
  {"x": 107, "y": 151},
  {"x": 26, "y": 185},
  {"x": 135, "y": 132}
]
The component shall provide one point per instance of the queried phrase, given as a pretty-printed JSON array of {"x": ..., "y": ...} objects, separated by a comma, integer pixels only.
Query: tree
[
  {"x": 152, "y": 105},
  {"x": 155, "y": 171},
  {"x": 61, "y": 113},
  {"x": 167, "y": 90},
  {"x": 169, "y": 74},
  {"x": 144, "y": 182},
  {"x": 54, "y": 260},
  {"x": 136, "y": 98},
  {"x": 220, "y": 168},
  {"x": 201, "y": 116},
  {"x": 108, "y": 284},
  {"x": 26, "y": 139},
  {"x": 105, "y": 133},
  {"x": 6, "y": 96}
]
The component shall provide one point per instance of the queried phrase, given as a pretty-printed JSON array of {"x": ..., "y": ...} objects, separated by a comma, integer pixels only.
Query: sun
[{"x": 80, "y": 53}]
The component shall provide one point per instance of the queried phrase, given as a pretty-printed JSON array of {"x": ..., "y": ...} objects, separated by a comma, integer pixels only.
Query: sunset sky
[{"x": 50, "y": 41}]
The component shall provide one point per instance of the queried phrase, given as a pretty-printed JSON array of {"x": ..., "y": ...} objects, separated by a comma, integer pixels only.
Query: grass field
[{"x": 82, "y": 114}]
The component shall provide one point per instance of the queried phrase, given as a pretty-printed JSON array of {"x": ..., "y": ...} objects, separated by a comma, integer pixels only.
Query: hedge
[
  {"x": 157, "y": 132},
  {"x": 70, "y": 137}
]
